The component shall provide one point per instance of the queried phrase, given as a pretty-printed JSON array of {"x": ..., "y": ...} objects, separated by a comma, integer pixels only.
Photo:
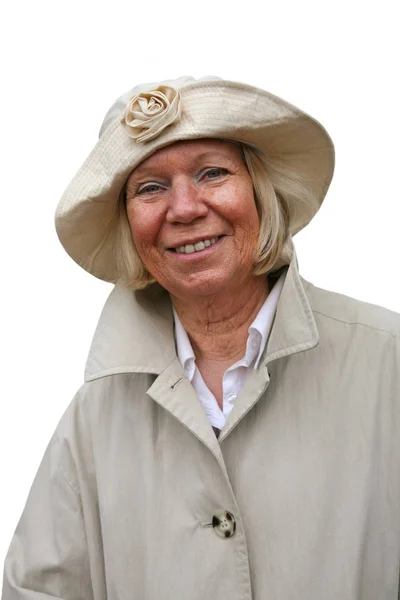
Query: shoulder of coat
[
  {"x": 98, "y": 397},
  {"x": 351, "y": 311}
]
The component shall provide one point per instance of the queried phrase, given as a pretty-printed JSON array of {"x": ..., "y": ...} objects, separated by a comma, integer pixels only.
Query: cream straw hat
[{"x": 154, "y": 115}]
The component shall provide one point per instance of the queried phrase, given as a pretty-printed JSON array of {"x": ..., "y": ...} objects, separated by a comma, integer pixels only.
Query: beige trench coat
[{"x": 308, "y": 464}]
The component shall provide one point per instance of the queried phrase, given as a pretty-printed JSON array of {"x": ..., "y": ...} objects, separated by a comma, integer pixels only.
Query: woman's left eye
[{"x": 214, "y": 173}]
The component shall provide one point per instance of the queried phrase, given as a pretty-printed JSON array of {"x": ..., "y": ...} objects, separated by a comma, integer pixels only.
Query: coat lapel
[{"x": 174, "y": 393}]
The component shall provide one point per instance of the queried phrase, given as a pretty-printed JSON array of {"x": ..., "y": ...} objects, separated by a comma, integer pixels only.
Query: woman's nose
[{"x": 185, "y": 203}]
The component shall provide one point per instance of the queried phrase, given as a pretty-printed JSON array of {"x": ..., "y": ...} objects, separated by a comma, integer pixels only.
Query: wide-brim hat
[{"x": 152, "y": 116}]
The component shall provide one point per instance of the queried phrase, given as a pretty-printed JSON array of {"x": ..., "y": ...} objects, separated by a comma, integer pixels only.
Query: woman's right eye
[{"x": 148, "y": 189}]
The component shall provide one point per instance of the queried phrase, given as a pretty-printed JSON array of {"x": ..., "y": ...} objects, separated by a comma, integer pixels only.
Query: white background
[{"x": 64, "y": 64}]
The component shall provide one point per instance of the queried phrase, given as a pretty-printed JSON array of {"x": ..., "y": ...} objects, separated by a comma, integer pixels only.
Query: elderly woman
[{"x": 238, "y": 433}]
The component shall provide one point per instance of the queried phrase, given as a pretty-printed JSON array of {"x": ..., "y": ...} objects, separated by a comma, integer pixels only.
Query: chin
[{"x": 200, "y": 286}]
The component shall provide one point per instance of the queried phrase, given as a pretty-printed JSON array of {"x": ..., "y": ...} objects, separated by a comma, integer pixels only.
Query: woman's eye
[
  {"x": 214, "y": 173},
  {"x": 148, "y": 189}
]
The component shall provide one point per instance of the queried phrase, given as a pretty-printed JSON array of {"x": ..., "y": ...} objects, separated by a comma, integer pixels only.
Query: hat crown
[{"x": 119, "y": 105}]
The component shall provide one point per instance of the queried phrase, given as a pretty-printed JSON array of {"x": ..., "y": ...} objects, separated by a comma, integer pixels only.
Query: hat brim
[{"x": 212, "y": 109}]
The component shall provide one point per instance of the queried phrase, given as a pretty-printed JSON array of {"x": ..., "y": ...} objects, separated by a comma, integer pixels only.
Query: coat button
[{"x": 224, "y": 523}]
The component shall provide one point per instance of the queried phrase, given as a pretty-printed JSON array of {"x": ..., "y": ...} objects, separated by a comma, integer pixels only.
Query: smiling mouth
[{"x": 202, "y": 245}]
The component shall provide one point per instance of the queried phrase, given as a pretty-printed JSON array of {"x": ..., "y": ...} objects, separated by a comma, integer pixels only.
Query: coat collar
[
  {"x": 135, "y": 335},
  {"x": 135, "y": 330}
]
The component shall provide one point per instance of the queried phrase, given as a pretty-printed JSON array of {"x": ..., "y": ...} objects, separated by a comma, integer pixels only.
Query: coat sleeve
[{"x": 48, "y": 555}]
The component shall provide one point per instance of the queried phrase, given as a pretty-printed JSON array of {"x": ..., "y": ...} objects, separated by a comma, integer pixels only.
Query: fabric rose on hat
[{"x": 148, "y": 113}]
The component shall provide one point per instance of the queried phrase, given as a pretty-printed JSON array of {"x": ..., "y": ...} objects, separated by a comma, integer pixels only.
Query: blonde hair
[{"x": 274, "y": 183}]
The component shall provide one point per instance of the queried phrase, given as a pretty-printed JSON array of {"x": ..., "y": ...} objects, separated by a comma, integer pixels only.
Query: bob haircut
[{"x": 273, "y": 182}]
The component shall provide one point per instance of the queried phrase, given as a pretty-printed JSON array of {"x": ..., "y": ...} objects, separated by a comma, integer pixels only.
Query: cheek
[
  {"x": 144, "y": 232},
  {"x": 144, "y": 225},
  {"x": 246, "y": 213},
  {"x": 247, "y": 226}
]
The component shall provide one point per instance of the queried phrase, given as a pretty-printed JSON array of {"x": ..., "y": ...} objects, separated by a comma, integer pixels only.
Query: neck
[{"x": 218, "y": 326}]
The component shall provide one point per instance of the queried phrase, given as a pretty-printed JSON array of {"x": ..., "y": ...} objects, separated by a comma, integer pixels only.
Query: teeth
[{"x": 190, "y": 248}]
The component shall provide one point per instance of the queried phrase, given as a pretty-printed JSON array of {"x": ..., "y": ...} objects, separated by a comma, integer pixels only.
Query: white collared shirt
[{"x": 234, "y": 377}]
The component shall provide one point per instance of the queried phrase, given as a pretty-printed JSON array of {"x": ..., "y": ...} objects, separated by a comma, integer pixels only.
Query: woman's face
[{"x": 193, "y": 217}]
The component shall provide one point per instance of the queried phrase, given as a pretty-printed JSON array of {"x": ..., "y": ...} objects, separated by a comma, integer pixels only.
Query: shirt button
[
  {"x": 232, "y": 398},
  {"x": 224, "y": 523}
]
